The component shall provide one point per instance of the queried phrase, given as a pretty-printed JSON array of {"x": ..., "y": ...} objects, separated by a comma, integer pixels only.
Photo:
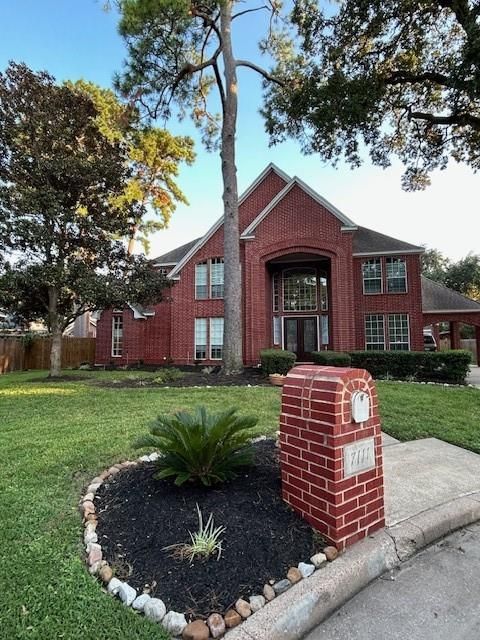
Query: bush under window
[{"x": 277, "y": 361}]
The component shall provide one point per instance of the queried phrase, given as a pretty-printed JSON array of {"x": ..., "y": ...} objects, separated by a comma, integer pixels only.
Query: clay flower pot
[{"x": 277, "y": 379}]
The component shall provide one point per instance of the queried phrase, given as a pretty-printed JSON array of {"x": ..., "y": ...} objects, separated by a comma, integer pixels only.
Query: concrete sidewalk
[
  {"x": 431, "y": 489},
  {"x": 474, "y": 377}
]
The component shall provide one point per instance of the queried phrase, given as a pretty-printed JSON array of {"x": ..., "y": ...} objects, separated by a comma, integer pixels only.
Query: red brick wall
[
  {"x": 297, "y": 224},
  {"x": 315, "y": 426},
  {"x": 385, "y": 303}
]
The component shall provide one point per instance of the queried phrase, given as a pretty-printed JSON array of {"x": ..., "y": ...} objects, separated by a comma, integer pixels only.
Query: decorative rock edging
[{"x": 154, "y": 609}]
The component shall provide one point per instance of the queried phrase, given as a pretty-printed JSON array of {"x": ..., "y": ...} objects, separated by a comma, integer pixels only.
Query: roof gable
[
  {"x": 202, "y": 241},
  {"x": 345, "y": 221}
]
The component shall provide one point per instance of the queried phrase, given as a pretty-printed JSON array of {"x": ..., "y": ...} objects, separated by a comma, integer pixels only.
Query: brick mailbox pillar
[{"x": 331, "y": 451}]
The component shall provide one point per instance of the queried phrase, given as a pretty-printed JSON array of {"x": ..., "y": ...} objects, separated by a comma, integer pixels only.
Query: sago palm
[{"x": 199, "y": 446}]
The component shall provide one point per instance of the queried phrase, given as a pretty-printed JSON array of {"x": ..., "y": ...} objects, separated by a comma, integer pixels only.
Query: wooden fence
[{"x": 17, "y": 356}]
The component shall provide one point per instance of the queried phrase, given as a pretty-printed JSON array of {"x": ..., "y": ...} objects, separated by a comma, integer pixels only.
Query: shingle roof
[
  {"x": 368, "y": 241},
  {"x": 438, "y": 297},
  {"x": 175, "y": 255}
]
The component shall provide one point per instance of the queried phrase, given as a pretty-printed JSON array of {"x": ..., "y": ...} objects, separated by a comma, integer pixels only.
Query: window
[
  {"x": 324, "y": 330},
  {"x": 216, "y": 278},
  {"x": 374, "y": 333},
  {"x": 277, "y": 330},
  {"x": 396, "y": 275},
  {"x": 216, "y": 338},
  {"x": 201, "y": 279},
  {"x": 276, "y": 292},
  {"x": 117, "y": 336},
  {"x": 372, "y": 276},
  {"x": 200, "y": 338},
  {"x": 208, "y": 338},
  {"x": 398, "y": 332},
  {"x": 323, "y": 293},
  {"x": 299, "y": 290}
]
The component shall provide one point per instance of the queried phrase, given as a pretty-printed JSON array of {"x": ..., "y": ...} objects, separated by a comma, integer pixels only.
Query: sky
[{"x": 77, "y": 39}]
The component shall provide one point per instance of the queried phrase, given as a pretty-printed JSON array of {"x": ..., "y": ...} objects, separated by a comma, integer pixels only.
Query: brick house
[{"x": 312, "y": 279}]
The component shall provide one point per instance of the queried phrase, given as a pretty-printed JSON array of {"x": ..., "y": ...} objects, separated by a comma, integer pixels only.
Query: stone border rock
[{"x": 154, "y": 609}]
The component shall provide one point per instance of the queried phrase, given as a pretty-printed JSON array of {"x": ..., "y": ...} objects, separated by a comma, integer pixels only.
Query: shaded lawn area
[{"x": 54, "y": 437}]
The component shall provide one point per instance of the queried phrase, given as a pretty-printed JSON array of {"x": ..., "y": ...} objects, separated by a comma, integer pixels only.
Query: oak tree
[
  {"x": 399, "y": 77},
  {"x": 61, "y": 182}
]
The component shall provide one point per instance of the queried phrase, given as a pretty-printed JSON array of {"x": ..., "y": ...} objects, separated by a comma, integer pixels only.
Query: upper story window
[
  {"x": 117, "y": 336},
  {"x": 396, "y": 275},
  {"x": 216, "y": 277},
  {"x": 209, "y": 279},
  {"x": 300, "y": 289},
  {"x": 372, "y": 276},
  {"x": 201, "y": 281}
]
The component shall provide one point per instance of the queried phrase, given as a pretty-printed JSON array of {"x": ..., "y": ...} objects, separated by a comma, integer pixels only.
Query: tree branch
[
  {"x": 242, "y": 13},
  {"x": 461, "y": 119},
  {"x": 405, "y": 77},
  {"x": 261, "y": 71}
]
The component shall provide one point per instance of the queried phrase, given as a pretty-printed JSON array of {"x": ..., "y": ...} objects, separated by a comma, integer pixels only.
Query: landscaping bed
[{"x": 139, "y": 516}]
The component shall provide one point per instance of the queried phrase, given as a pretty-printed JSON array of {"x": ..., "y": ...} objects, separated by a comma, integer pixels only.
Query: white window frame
[
  {"x": 390, "y": 341},
  {"x": 201, "y": 264},
  {"x": 377, "y": 315},
  {"x": 116, "y": 351},
  {"x": 195, "y": 337},
  {"x": 387, "y": 278},
  {"x": 210, "y": 332},
  {"x": 373, "y": 293},
  {"x": 211, "y": 262}
]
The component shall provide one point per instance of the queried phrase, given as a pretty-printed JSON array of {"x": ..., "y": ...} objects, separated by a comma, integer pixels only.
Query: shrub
[
  {"x": 171, "y": 374},
  {"x": 332, "y": 358},
  {"x": 436, "y": 366},
  {"x": 199, "y": 446},
  {"x": 204, "y": 542},
  {"x": 277, "y": 361}
]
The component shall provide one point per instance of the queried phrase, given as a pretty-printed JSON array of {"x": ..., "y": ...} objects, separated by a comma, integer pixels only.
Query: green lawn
[{"x": 54, "y": 437}]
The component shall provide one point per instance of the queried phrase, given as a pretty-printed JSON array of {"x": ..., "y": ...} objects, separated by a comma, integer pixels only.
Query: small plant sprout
[{"x": 204, "y": 543}]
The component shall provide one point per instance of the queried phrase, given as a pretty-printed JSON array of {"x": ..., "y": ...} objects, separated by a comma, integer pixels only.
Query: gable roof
[
  {"x": 369, "y": 242},
  {"x": 437, "y": 297},
  {"x": 201, "y": 241},
  {"x": 175, "y": 255},
  {"x": 295, "y": 181}
]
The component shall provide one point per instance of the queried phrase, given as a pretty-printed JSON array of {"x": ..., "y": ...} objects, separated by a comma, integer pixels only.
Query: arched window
[{"x": 300, "y": 289}]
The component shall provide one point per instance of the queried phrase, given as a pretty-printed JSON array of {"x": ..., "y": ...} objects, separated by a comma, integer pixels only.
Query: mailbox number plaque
[{"x": 358, "y": 457}]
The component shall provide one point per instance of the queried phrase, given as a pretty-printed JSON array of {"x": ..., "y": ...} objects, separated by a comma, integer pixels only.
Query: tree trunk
[
  {"x": 56, "y": 333},
  {"x": 232, "y": 341}
]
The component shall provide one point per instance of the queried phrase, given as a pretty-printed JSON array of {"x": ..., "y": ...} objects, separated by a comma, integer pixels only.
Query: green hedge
[
  {"x": 277, "y": 361},
  {"x": 436, "y": 366},
  {"x": 332, "y": 358}
]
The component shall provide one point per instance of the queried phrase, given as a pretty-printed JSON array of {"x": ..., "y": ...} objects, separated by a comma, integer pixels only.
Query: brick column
[
  {"x": 477, "y": 340},
  {"x": 332, "y": 471},
  {"x": 454, "y": 335}
]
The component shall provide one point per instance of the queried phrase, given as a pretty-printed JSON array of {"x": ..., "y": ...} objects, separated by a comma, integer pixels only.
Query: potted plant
[{"x": 277, "y": 379}]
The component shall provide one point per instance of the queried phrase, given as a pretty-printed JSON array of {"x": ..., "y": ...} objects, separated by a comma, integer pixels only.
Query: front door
[{"x": 301, "y": 336}]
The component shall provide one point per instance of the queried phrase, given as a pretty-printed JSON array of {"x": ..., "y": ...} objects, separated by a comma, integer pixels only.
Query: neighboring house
[
  {"x": 85, "y": 326},
  {"x": 311, "y": 279}
]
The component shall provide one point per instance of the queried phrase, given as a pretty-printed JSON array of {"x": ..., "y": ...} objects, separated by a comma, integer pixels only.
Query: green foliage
[
  {"x": 154, "y": 155},
  {"x": 60, "y": 206},
  {"x": 438, "y": 366},
  {"x": 434, "y": 265},
  {"x": 401, "y": 78},
  {"x": 201, "y": 446},
  {"x": 332, "y": 358},
  {"x": 204, "y": 542},
  {"x": 277, "y": 361},
  {"x": 464, "y": 276},
  {"x": 170, "y": 374}
]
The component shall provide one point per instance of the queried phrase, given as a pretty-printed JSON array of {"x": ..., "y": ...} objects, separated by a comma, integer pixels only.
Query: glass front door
[{"x": 301, "y": 336}]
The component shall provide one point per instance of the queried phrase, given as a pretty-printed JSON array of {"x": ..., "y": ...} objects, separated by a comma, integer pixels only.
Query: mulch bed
[
  {"x": 139, "y": 516},
  {"x": 191, "y": 378}
]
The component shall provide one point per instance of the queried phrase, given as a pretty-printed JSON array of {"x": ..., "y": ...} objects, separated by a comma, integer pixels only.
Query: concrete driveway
[{"x": 474, "y": 377}]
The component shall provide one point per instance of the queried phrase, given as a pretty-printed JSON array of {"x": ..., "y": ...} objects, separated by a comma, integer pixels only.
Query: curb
[{"x": 293, "y": 614}]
